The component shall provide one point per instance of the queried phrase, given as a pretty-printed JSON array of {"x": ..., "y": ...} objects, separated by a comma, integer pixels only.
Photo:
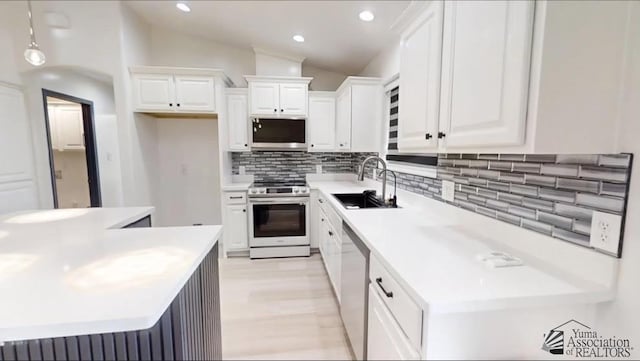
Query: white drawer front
[
  {"x": 404, "y": 310},
  {"x": 334, "y": 218},
  {"x": 235, "y": 197}
]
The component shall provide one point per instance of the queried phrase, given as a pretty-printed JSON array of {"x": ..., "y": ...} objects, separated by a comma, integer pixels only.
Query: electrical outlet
[
  {"x": 448, "y": 190},
  {"x": 605, "y": 231}
]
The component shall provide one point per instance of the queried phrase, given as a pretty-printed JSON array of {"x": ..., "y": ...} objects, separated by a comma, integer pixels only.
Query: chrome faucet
[{"x": 384, "y": 169}]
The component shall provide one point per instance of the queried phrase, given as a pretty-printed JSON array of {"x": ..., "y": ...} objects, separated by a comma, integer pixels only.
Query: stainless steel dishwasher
[{"x": 354, "y": 287}]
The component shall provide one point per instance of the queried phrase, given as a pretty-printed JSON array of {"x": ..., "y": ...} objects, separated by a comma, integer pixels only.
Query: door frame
[{"x": 91, "y": 152}]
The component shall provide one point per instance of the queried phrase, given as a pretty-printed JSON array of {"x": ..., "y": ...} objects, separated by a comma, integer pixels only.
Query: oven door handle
[{"x": 280, "y": 201}]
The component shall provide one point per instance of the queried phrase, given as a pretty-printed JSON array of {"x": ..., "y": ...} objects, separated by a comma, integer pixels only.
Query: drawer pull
[
  {"x": 320, "y": 200},
  {"x": 235, "y": 197},
  {"x": 379, "y": 282},
  {"x": 330, "y": 233}
]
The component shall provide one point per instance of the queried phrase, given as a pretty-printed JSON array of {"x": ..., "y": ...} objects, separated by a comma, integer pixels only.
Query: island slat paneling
[{"x": 189, "y": 329}]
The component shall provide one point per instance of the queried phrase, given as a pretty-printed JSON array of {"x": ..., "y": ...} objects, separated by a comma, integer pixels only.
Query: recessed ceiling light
[
  {"x": 366, "y": 16},
  {"x": 298, "y": 38},
  {"x": 183, "y": 6}
]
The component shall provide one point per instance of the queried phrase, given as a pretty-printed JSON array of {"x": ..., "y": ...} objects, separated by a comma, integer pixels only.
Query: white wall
[
  {"x": 386, "y": 64},
  {"x": 323, "y": 80},
  {"x": 622, "y": 317},
  {"x": 71, "y": 82}
]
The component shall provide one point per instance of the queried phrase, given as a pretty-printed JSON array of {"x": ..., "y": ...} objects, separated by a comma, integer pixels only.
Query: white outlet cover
[
  {"x": 605, "y": 232},
  {"x": 448, "y": 190}
]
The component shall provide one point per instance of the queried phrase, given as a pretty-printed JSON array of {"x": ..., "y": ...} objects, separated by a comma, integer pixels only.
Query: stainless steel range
[{"x": 279, "y": 220}]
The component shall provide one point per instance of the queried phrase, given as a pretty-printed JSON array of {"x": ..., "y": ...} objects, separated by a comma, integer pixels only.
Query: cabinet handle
[
  {"x": 178, "y": 104},
  {"x": 322, "y": 219},
  {"x": 379, "y": 282},
  {"x": 235, "y": 197},
  {"x": 312, "y": 145},
  {"x": 341, "y": 144},
  {"x": 320, "y": 200},
  {"x": 244, "y": 210},
  {"x": 170, "y": 104},
  {"x": 245, "y": 144},
  {"x": 428, "y": 136},
  {"x": 275, "y": 110},
  {"x": 441, "y": 135},
  {"x": 330, "y": 233},
  {"x": 281, "y": 110}
]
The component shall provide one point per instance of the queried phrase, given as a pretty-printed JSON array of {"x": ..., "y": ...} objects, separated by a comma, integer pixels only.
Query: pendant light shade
[{"x": 33, "y": 55}]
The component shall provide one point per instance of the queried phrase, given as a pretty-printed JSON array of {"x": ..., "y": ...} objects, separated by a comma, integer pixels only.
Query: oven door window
[{"x": 279, "y": 220}]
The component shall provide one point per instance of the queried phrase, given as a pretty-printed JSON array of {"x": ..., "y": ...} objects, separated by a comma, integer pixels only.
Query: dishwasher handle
[{"x": 379, "y": 282}]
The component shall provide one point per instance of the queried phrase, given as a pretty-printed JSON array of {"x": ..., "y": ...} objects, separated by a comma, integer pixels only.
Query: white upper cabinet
[
  {"x": 195, "y": 93},
  {"x": 177, "y": 91},
  {"x": 421, "y": 52},
  {"x": 343, "y": 120},
  {"x": 154, "y": 92},
  {"x": 485, "y": 72},
  {"x": 278, "y": 96},
  {"x": 321, "y": 131},
  {"x": 66, "y": 127},
  {"x": 293, "y": 99},
  {"x": 359, "y": 114},
  {"x": 265, "y": 98},
  {"x": 237, "y": 119}
]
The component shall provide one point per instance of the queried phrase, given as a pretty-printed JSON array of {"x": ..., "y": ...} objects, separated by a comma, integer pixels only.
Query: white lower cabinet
[
  {"x": 330, "y": 244},
  {"x": 385, "y": 339},
  {"x": 236, "y": 234}
]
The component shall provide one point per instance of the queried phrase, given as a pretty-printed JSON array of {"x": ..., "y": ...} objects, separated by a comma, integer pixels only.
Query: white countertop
[
  {"x": 431, "y": 250},
  {"x": 74, "y": 272}
]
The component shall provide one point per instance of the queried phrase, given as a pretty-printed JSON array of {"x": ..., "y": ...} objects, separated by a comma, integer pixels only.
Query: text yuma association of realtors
[{"x": 583, "y": 343}]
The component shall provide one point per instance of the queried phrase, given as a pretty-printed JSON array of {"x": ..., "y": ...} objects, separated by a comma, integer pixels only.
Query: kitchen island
[{"x": 76, "y": 285}]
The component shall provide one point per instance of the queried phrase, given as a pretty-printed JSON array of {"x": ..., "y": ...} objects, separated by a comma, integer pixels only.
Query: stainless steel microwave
[{"x": 279, "y": 133}]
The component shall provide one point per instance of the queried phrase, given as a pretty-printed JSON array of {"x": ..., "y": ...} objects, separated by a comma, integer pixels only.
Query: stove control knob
[{"x": 253, "y": 191}]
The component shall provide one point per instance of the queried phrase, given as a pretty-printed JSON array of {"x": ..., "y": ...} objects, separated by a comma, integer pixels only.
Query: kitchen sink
[{"x": 366, "y": 199}]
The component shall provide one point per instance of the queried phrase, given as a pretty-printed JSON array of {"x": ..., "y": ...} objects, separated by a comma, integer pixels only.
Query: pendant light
[{"x": 33, "y": 55}]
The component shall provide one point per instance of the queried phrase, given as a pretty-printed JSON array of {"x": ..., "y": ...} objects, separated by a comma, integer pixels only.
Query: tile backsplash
[
  {"x": 550, "y": 194},
  {"x": 274, "y": 166}
]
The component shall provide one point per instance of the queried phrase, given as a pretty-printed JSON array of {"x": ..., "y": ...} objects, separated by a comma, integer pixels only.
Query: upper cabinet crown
[
  {"x": 175, "y": 91},
  {"x": 278, "y": 96}
]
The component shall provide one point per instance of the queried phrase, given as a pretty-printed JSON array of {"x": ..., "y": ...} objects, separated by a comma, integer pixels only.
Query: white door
[
  {"x": 322, "y": 123},
  {"x": 237, "y": 122},
  {"x": 154, "y": 92},
  {"x": 336, "y": 261},
  {"x": 293, "y": 99},
  {"x": 236, "y": 232},
  {"x": 70, "y": 127},
  {"x": 53, "y": 128},
  {"x": 385, "y": 339},
  {"x": 195, "y": 93},
  {"x": 485, "y": 72},
  {"x": 343, "y": 120},
  {"x": 420, "y": 60},
  {"x": 265, "y": 98}
]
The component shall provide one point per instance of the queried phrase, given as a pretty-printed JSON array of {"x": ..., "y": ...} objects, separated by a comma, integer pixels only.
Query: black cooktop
[{"x": 279, "y": 184}]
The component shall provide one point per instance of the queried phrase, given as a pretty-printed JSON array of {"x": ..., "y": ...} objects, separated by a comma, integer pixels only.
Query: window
[{"x": 419, "y": 164}]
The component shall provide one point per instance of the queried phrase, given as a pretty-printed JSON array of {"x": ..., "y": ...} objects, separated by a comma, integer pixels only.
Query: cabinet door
[
  {"x": 366, "y": 117},
  {"x": 154, "y": 92},
  {"x": 265, "y": 98},
  {"x": 53, "y": 128},
  {"x": 385, "y": 341},
  {"x": 195, "y": 93},
  {"x": 70, "y": 128},
  {"x": 321, "y": 123},
  {"x": 293, "y": 99},
  {"x": 336, "y": 261},
  {"x": 420, "y": 60},
  {"x": 485, "y": 77},
  {"x": 235, "y": 228},
  {"x": 237, "y": 122},
  {"x": 343, "y": 120}
]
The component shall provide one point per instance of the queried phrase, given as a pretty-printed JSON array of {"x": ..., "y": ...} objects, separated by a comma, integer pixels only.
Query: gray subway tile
[
  {"x": 522, "y": 211},
  {"x": 445, "y": 176},
  {"x": 458, "y": 195},
  {"x": 615, "y": 160},
  {"x": 540, "y": 204},
  {"x": 582, "y": 227},
  {"x": 488, "y": 156},
  {"x": 461, "y": 163},
  {"x": 476, "y": 199},
  {"x": 601, "y": 202},
  {"x": 567, "y": 170},
  {"x": 498, "y": 165},
  {"x": 486, "y": 211},
  {"x": 509, "y": 218},
  {"x": 526, "y": 167},
  {"x": 577, "y": 158},
  {"x": 468, "y": 189},
  {"x": 487, "y": 193},
  {"x": 524, "y": 190},
  {"x": 469, "y": 172},
  {"x": 578, "y": 185},
  {"x": 540, "y": 158},
  {"x": 453, "y": 156},
  {"x": 511, "y": 177},
  {"x": 466, "y": 205},
  {"x": 478, "y": 182},
  {"x": 468, "y": 156},
  {"x": 461, "y": 180},
  {"x": 478, "y": 164},
  {"x": 602, "y": 173},
  {"x": 557, "y": 195},
  {"x": 559, "y": 221},
  {"x": 443, "y": 162},
  {"x": 613, "y": 189},
  {"x": 570, "y": 236},
  {"x": 498, "y": 186},
  {"x": 570, "y": 210},
  {"x": 537, "y": 226},
  {"x": 511, "y": 198},
  {"x": 512, "y": 157},
  {"x": 541, "y": 180},
  {"x": 488, "y": 174},
  {"x": 498, "y": 205}
]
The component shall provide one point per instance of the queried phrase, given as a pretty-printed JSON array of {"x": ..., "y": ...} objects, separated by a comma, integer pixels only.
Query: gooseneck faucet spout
[{"x": 384, "y": 169}]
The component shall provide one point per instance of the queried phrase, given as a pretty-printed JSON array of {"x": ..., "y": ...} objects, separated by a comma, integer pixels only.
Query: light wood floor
[{"x": 279, "y": 309}]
